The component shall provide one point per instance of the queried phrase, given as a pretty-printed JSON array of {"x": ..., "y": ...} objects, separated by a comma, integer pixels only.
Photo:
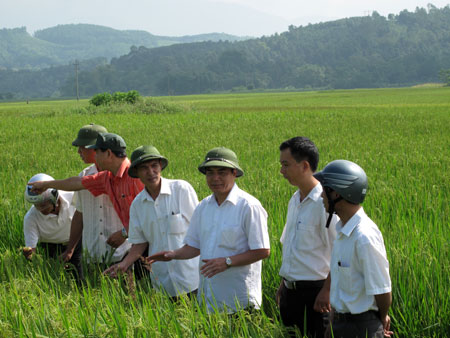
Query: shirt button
[
  {"x": 101, "y": 220},
  {"x": 100, "y": 207},
  {"x": 101, "y": 233}
]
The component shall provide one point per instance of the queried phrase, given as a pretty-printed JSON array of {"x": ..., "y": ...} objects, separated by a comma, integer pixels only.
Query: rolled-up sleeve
[{"x": 96, "y": 184}]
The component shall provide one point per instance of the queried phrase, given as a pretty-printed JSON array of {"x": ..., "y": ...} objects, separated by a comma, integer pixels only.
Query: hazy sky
[{"x": 188, "y": 17}]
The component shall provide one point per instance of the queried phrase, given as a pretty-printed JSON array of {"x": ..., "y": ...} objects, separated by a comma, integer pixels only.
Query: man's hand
[
  {"x": 66, "y": 255},
  {"x": 322, "y": 302},
  {"x": 115, "y": 270},
  {"x": 28, "y": 252},
  {"x": 162, "y": 256},
  {"x": 38, "y": 187},
  {"x": 387, "y": 326},
  {"x": 213, "y": 266},
  {"x": 116, "y": 239},
  {"x": 278, "y": 294}
]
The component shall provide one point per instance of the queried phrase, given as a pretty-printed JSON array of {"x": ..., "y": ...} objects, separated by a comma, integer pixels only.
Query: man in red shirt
[{"x": 112, "y": 179}]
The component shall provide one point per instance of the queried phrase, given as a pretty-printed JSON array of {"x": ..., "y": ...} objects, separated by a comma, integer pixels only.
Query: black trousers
[
  {"x": 53, "y": 250},
  {"x": 367, "y": 324},
  {"x": 296, "y": 309}
]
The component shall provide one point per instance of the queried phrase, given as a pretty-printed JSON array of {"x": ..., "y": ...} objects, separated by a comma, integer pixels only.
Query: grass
[{"x": 399, "y": 136}]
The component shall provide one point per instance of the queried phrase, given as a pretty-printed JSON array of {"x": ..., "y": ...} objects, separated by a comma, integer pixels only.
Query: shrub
[{"x": 102, "y": 99}]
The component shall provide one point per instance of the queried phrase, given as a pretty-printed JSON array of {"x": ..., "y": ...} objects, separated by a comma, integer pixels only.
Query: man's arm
[
  {"x": 69, "y": 184},
  {"x": 76, "y": 230},
  {"x": 135, "y": 253},
  {"x": 214, "y": 266},
  {"x": 322, "y": 302},
  {"x": 384, "y": 302},
  {"x": 185, "y": 252}
]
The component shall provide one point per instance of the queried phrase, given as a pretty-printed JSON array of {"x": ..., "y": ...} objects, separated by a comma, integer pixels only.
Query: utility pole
[{"x": 76, "y": 64}]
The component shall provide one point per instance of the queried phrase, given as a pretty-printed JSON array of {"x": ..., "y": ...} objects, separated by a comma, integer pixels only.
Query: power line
[{"x": 76, "y": 64}]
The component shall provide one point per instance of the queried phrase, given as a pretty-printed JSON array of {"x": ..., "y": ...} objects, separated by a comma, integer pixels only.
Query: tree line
[{"x": 360, "y": 52}]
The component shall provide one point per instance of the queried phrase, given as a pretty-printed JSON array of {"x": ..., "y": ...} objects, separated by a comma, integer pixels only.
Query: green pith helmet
[
  {"x": 109, "y": 141},
  {"x": 346, "y": 178},
  {"x": 143, "y": 154},
  {"x": 87, "y": 135},
  {"x": 221, "y": 157}
]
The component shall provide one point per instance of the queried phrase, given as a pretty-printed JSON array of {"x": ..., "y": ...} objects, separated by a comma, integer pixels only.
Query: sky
[{"x": 189, "y": 17}]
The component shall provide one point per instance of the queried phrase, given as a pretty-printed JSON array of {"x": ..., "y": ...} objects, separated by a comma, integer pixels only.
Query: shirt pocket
[
  {"x": 230, "y": 238},
  {"x": 177, "y": 224},
  {"x": 345, "y": 278}
]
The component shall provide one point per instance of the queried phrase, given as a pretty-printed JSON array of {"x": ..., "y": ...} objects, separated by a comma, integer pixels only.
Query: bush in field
[
  {"x": 444, "y": 75},
  {"x": 104, "y": 99}
]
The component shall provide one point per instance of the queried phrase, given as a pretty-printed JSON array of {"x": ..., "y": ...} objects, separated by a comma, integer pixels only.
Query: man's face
[
  {"x": 290, "y": 168},
  {"x": 87, "y": 155},
  {"x": 45, "y": 208},
  {"x": 220, "y": 180},
  {"x": 101, "y": 159},
  {"x": 150, "y": 173},
  {"x": 325, "y": 199}
]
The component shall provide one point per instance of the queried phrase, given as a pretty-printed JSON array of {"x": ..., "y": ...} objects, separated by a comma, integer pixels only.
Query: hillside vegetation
[
  {"x": 361, "y": 52},
  {"x": 64, "y": 43}
]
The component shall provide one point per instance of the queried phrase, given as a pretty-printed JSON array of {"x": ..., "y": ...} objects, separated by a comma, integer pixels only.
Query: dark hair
[
  {"x": 118, "y": 153},
  {"x": 302, "y": 148}
]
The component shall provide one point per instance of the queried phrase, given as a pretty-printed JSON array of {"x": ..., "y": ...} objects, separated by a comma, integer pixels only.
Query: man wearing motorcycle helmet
[
  {"x": 47, "y": 222},
  {"x": 360, "y": 293}
]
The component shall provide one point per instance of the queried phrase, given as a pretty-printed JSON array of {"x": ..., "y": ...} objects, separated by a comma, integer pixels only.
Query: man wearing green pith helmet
[
  {"x": 95, "y": 219},
  {"x": 229, "y": 231},
  {"x": 159, "y": 219}
]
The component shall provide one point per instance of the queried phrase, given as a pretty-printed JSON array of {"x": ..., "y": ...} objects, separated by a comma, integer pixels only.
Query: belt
[
  {"x": 303, "y": 284},
  {"x": 348, "y": 317}
]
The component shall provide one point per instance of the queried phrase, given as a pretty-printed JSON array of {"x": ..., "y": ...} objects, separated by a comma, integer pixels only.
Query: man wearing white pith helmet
[
  {"x": 360, "y": 293},
  {"x": 229, "y": 231},
  {"x": 47, "y": 222}
]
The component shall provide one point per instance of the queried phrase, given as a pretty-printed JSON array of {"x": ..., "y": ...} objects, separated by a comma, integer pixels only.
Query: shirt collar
[
  {"x": 351, "y": 224},
  {"x": 232, "y": 197},
  {"x": 165, "y": 190},
  {"x": 315, "y": 194},
  {"x": 123, "y": 168}
]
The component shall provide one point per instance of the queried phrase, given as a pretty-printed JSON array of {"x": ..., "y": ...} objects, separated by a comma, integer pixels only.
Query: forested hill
[
  {"x": 361, "y": 52},
  {"x": 62, "y": 44},
  {"x": 370, "y": 51}
]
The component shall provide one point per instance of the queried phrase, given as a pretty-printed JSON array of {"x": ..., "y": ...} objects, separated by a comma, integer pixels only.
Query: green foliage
[
  {"x": 398, "y": 136},
  {"x": 101, "y": 99},
  {"x": 361, "y": 52},
  {"x": 62, "y": 44},
  {"x": 105, "y": 99},
  {"x": 444, "y": 75}
]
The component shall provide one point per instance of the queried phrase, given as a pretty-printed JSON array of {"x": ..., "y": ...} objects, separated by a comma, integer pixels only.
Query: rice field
[{"x": 401, "y": 137}]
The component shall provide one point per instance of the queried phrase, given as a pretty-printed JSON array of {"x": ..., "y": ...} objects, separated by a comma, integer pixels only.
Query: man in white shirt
[
  {"x": 229, "y": 231},
  {"x": 159, "y": 218},
  {"x": 95, "y": 219},
  {"x": 360, "y": 283},
  {"x": 307, "y": 242},
  {"x": 47, "y": 222}
]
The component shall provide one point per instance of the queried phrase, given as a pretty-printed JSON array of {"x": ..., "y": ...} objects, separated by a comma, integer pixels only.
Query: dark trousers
[
  {"x": 367, "y": 324},
  {"x": 53, "y": 250},
  {"x": 296, "y": 309},
  {"x": 191, "y": 295}
]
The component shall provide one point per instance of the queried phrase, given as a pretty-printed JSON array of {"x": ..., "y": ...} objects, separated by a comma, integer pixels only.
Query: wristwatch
[
  {"x": 228, "y": 262},
  {"x": 124, "y": 233}
]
